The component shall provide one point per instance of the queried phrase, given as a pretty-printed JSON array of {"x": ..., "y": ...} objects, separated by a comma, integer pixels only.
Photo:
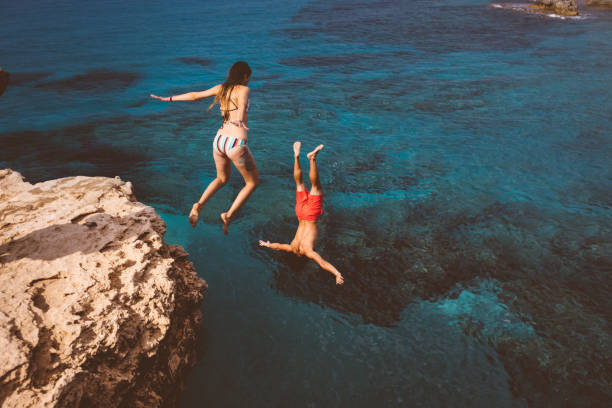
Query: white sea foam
[
  {"x": 524, "y": 7},
  {"x": 565, "y": 17}
]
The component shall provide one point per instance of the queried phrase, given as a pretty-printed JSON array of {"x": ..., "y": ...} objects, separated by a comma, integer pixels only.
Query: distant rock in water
[
  {"x": 606, "y": 3},
  {"x": 4, "y": 80},
  {"x": 561, "y": 7},
  {"x": 99, "y": 80},
  {"x": 96, "y": 310},
  {"x": 558, "y": 7},
  {"x": 204, "y": 62}
]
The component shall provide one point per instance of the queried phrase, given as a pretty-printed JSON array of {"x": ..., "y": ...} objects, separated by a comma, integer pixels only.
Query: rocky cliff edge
[{"x": 95, "y": 309}]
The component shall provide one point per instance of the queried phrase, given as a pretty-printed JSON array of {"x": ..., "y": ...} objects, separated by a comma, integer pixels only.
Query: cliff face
[{"x": 95, "y": 309}]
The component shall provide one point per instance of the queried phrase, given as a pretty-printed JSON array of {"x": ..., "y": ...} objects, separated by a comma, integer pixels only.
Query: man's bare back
[
  {"x": 305, "y": 237},
  {"x": 308, "y": 209}
]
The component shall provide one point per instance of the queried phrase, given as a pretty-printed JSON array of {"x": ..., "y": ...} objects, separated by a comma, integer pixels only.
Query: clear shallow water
[{"x": 466, "y": 171}]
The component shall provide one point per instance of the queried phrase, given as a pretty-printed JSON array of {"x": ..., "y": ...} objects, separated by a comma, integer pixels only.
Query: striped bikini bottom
[{"x": 224, "y": 144}]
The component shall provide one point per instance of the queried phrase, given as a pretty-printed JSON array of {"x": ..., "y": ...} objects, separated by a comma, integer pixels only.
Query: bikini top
[
  {"x": 236, "y": 122},
  {"x": 235, "y": 106}
]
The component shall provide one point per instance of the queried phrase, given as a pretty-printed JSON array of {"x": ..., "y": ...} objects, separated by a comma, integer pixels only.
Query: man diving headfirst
[{"x": 308, "y": 210}]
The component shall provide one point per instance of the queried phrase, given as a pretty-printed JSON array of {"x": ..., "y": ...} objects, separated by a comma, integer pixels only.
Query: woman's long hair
[{"x": 238, "y": 74}]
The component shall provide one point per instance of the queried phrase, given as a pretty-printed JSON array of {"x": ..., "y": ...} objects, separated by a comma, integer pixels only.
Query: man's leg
[
  {"x": 297, "y": 170},
  {"x": 314, "y": 173}
]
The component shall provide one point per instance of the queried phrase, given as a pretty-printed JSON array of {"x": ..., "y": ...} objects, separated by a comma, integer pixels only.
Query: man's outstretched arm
[
  {"x": 326, "y": 265},
  {"x": 276, "y": 246}
]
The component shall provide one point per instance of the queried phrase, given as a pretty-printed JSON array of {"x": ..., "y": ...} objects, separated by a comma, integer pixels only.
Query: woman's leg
[
  {"x": 297, "y": 170},
  {"x": 314, "y": 173},
  {"x": 224, "y": 169},
  {"x": 243, "y": 159}
]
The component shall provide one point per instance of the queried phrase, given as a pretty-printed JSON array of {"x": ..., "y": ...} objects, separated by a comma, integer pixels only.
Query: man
[{"x": 308, "y": 210}]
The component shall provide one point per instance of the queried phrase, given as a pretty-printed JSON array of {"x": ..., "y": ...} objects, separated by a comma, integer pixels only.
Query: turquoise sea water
[{"x": 466, "y": 171}]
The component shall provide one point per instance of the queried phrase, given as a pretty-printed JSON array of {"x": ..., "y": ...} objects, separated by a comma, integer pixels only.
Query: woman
[{"x": 230, "y": 143}]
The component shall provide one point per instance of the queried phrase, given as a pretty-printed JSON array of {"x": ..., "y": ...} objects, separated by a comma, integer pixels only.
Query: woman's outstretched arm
[{"x": 189, "y": 96}]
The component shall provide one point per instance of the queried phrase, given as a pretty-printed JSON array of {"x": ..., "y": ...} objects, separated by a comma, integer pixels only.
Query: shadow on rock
[{"x": 99, "y": 232}]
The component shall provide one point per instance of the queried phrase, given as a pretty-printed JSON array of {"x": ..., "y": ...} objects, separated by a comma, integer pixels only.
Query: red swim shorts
[{"x": 308, "y": 207}]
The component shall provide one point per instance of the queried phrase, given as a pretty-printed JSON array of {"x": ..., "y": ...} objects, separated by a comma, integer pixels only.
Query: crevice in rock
[
  {"x": 44, "y": 362},
  {"x": 80, "y": 217},
  {"x": 39, "y": 299},
  {"x": 35, "y": 281}
]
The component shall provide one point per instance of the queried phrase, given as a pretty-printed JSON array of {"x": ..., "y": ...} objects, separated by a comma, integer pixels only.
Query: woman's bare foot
[
  {"x": 296, "y": 148},
  {"x": 226, "y": 222},
  {"x": 312, "y": 155},
  {"x": 194, "y": 214}
]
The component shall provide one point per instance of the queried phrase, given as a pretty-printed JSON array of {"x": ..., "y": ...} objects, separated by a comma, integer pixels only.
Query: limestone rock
[
  {"x": 561, "y": 7},
  {"x": 605, "y": 3},
  {"x": 4, "y": 80},
  {"x": 95, "y": 309}
]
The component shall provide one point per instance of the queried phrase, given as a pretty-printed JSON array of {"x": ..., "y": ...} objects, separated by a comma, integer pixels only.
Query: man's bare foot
[
  {"x": 226, "y": 222},
  {"x": 194, "y": 214},
  {"x": 296, "y": 148},
  {"x": 312, "y": 155}
]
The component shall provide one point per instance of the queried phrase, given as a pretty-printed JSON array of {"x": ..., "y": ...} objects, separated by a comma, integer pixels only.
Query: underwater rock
[
  {"x": 24, "y": 78},
  {"x": 4, "y": 80},
  {"x": 99, "y": 80},
  {"x": 96, "y": 309},
  {"x": 203, "y": 62}
]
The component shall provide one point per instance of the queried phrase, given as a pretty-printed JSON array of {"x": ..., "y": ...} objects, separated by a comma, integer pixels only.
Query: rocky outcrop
[
  {"x": 561, "y": 7},
  {"x": 95, "y": 309},
  {"x": 605, "y": 3},
  {"x": 4, "y": 80},
  {"x": 549, "y": 7}
]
